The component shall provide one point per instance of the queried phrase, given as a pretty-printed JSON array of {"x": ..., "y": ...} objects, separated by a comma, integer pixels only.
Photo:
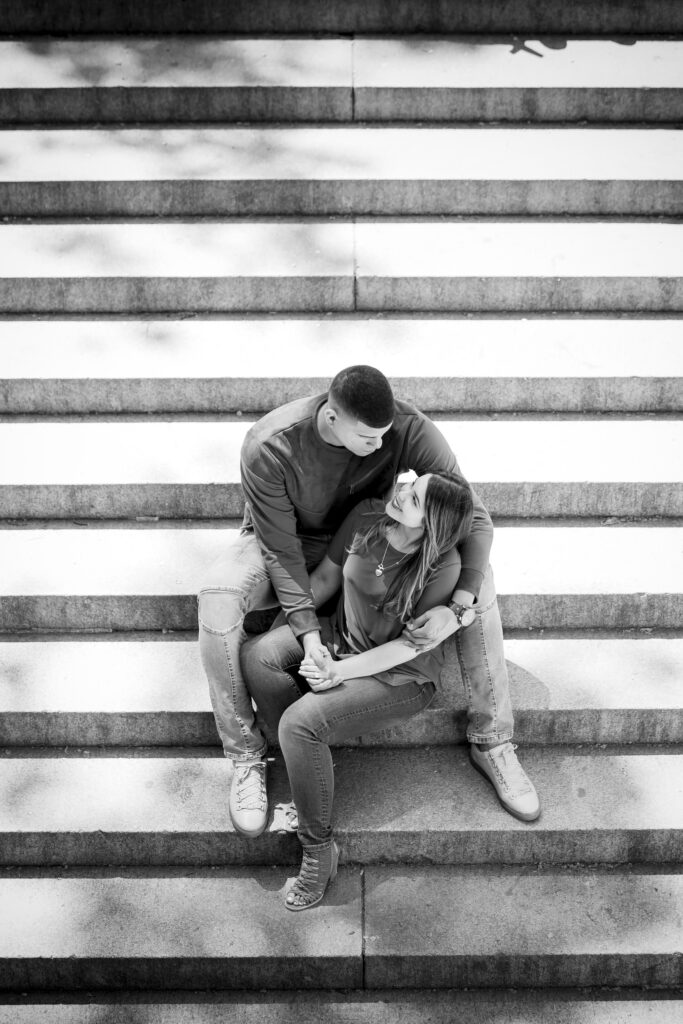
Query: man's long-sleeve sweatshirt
[{"x": 299, "y": 488}]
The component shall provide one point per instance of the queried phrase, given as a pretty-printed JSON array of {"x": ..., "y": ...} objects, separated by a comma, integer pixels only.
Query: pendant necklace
[{"x": 381, "y": 567}]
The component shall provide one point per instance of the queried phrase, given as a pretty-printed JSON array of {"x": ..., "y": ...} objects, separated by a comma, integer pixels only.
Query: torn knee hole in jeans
[{"x": 220, "y": 611}]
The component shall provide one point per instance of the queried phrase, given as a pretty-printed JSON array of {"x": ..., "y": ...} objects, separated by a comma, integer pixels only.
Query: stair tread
[
  {"x": 276, "y": 349},
  {"x": 174, "y": 62},
  {"x": 616, "y": 925},
  {"x": 106, "y": 677},
  {"x": 357, "y": 1007},
  {"x": 313, "y": 154},
  {"x": 258, "y": 250},
  {"x": 130, "y": 561},
  {"x": 208, "y": 453},
  {"x": 544, "y": 918},
  {"x": 405, "y": 793}
]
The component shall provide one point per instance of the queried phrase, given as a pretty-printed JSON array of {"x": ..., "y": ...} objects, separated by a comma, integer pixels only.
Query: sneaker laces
[
  {"x": 251, "y": 786},
  {"x": 508, "y": 769}
]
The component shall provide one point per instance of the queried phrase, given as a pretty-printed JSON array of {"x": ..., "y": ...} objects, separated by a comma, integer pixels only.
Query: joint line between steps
[{"x": 362, "y": 928}]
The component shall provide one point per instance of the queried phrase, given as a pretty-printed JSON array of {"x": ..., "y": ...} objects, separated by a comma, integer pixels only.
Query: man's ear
[{"x": 331, "y": 416}]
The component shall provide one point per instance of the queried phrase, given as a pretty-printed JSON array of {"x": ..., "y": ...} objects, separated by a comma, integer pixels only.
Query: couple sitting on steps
[{"x": 356, "y": 494}]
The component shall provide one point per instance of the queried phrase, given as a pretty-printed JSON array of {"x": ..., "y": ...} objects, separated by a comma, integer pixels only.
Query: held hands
[
  {"x": 319, "y": 669},
  {"x": 430, "y": 629}
]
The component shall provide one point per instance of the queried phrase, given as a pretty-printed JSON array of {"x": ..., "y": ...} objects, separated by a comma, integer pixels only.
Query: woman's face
[{"x": 408, "y": 502}]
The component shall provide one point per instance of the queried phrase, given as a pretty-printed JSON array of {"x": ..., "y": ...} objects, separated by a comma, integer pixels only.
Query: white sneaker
[
  {"x": 513, "y": 786},
  {"x": 248, "y": 797}
]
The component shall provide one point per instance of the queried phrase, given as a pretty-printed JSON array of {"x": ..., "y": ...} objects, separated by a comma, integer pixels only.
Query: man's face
[{"x": 355, "y": 435}]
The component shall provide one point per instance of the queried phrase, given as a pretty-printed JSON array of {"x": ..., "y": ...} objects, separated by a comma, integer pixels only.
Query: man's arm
[{"x": 274, "y": 520}]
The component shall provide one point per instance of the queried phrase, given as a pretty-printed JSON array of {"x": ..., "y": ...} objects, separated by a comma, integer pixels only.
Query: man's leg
[
  {"x": 490, "y": 721},
  {"x": 240, "y": 583}
]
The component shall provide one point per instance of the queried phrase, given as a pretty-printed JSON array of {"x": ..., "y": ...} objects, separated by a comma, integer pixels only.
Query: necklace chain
[{"x": 381, "y": 567}]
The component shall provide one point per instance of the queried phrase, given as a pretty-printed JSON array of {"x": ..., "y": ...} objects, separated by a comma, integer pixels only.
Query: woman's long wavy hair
[{"x": 448, "y": 512}]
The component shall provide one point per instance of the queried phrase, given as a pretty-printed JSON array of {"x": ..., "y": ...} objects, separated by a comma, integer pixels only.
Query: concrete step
[
  {"x": 354, "y": 1007},
  {"x": 93, "y": 692},
  {"x": 82, "y": 578},
  {"x": 340, "y": 171},
  {"x": 410, "y": 928},
  {"x": 195, "y": 79},
  {"x": 465, "y": 366},
  {"x": 268, "y": 17},
  {"x": 191, "y": 470},
  {"x": 418, "y": 806},
  {"x": 338, "y": 267}
]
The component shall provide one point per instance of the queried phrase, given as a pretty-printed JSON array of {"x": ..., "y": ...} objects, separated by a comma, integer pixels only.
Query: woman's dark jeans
[{"x": 308, "y": 722}]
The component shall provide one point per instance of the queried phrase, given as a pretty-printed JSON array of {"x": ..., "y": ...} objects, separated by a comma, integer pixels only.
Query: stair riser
[
  {"x": 518, "y": 971},
  {"x": 344, "y": 198},
  {"x": 221, "y": 501},
  {"x": 164, "y": 973},
  {"x": 45, "y": 849},
  {"x": 435, "y": 727},
  {"x": 216, "y": 105},
  {"x": 340, "y": 294},
  {"x": 369, "y": 16},
  {"x": 447, "y": 394},
  {"x": 380, "y": 972},
  {"x": 102, "y": 613}
]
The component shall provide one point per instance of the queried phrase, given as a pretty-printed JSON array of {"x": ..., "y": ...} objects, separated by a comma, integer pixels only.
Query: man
[{"x": 304, "y": 467}]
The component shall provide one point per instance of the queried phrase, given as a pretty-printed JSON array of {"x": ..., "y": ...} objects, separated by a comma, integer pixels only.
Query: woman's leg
[
  {"x": 269, "y": 663},
  {"x": 310, "y": 724}
]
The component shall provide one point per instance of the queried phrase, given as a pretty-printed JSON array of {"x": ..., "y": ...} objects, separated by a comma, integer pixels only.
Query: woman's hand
[{"x": 319, "y": 670}]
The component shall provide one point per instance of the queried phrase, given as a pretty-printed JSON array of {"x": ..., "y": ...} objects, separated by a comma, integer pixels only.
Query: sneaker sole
[{"x": 515, "y": 814}]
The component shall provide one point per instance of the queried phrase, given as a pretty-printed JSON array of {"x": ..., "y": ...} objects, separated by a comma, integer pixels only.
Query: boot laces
[
  {"x": 251, "y": 786},
  {"x": 509, "y": 770}
]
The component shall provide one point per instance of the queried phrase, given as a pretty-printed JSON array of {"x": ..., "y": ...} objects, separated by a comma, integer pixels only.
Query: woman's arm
[{"x": 331, "y": 673}]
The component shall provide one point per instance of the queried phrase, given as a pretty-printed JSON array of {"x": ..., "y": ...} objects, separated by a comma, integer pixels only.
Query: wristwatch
[{"x": 464, "y": 615}]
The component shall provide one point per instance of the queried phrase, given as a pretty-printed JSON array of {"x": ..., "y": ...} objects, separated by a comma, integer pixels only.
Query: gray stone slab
[
  {"x": 366, "y": 172},
  {"x": 187, "y": 470},
  {"x": 446, "y": 928},
  {"x": 265, "y": 16},
  {"x": 57, "y": 693},
  {"x": 138, "y": 579},
  {"x": 226, "y": 929},
  {"x": 622, "y": 365},
  {"x": 423, "y": 806},
  {"x": 381, "y": 1007}
]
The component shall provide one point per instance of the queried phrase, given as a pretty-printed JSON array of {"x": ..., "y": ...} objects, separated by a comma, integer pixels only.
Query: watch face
[{"x": 468, "y": 616}]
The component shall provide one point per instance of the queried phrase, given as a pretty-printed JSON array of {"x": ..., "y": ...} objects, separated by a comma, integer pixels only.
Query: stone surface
[
  {"x": 624, "y": 365},
  {"x": 357, "y": 1007},
  {"x": 139, "y": 693},
  {"x": 191, "y": 470},
  {"x": 265, "y": 16},
  {"x": 449, "y": 927},
  {"x": 422, "y": 806},
  {"x": 236, "y": 171},
  {"x": 129, "y": 578},
  {"x": 187, "y": 930}
]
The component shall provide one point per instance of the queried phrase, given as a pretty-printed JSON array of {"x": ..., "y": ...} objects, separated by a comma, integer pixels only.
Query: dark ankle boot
[{"x": 318, "y": 868}]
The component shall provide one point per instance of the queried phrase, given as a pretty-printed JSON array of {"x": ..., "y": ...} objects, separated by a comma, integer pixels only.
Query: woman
[{"x": 392, "y": 562}]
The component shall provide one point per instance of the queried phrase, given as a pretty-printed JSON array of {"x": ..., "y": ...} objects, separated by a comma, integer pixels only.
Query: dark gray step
[
  {"x": 353, "y": 1007},
  {"x": 373, "y": 16},
  {"x": 189, "y": 470},
  {"x": 141, "y": 693},
  {"x": 465, "y": 366},
  {"x": 421, "y": 806},
  {"x": 323, "y": 171},
  {"x": 339, "y": 267},
  {"x": 82, "y": 578},
  {"x": 404, "y": 928}
]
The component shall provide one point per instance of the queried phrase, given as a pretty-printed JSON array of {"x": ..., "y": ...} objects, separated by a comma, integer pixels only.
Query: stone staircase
[{"x": 199, "y": 227}]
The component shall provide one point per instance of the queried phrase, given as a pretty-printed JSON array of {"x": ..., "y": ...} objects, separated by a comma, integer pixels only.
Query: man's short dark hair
[{"x": 365, "y": 394}]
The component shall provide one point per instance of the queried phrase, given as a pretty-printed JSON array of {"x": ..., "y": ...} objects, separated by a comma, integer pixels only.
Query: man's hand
[
  {"x": 431, "y": 628},
  {"x": 318, "y": 669}
]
